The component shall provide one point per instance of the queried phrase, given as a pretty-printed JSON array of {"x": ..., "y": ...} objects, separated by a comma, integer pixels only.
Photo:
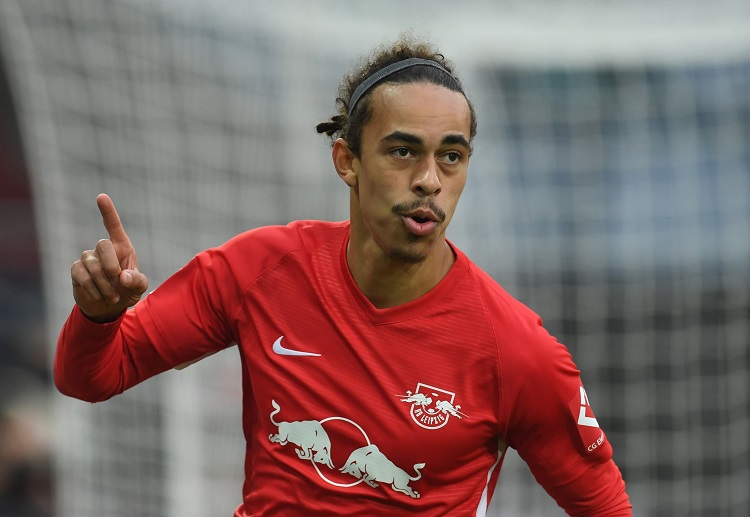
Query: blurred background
[{"x": 609, "y": 191}]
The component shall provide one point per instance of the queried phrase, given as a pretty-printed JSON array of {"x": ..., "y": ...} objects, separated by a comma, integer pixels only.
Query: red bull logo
[
  {"x": 372, "y": 466},
  {"x": 432, "y": 407},
  {"x": 311, "y": 441}
]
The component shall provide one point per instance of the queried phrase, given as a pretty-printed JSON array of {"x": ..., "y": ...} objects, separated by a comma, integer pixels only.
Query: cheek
[
  {"x": 459, "y": 184},
  {"x": 378, "y": 192},
  {"x": 454, "y": 186},
  {"x": 454, "y": 190}
]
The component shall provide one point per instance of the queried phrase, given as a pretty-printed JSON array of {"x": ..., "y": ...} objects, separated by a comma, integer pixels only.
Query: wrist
[{"x": 101, "y": 319}]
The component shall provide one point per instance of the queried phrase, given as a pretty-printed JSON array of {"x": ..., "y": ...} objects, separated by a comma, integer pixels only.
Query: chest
[{"x": 343, "y": 390}]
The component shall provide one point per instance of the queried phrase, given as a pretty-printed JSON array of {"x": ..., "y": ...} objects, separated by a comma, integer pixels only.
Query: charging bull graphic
[
  {"x": 416, "y": 398},
  {"x": 372, "y": 466},
  {"x": 432, "y": 407},
  {"x": 366, "y": 463},
  {"x": 308, "y": 435}
]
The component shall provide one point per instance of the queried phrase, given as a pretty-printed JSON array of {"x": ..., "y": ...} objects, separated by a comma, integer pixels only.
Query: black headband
[{"x": 392, "y": 69}]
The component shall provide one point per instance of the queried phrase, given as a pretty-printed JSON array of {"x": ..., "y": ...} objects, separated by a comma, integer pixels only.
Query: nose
[{"x": 427, "y": 179}]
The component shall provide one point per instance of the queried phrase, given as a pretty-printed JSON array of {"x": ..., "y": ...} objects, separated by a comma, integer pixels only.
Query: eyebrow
[
  {"x": 402, "y": 136},
  {"x": 457, "y": 140}
]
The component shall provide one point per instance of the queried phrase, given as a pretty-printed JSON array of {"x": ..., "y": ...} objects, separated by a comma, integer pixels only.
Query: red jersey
[{"x": 350, "y": 408}]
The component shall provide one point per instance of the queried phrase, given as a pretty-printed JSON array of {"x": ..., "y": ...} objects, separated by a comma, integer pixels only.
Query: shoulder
[
  {"x": 525, "y": 348},
  {"x": 250, "y": 253},
  {"x": 277, "y": 241},
  {"x": 503, "y": 309}
]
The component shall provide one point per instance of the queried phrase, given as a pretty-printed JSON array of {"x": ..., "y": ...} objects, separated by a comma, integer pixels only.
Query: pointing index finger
[{"x": 111, "y": 220}]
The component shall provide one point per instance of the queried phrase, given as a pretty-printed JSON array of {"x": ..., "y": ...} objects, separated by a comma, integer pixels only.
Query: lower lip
[{"x": 420, "y": 229}]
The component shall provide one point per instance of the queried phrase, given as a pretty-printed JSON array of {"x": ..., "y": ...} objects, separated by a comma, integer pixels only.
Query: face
[{"x": 411, "y": 170}]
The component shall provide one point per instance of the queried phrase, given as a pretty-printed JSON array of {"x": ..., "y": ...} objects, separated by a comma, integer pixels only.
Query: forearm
[
  {"x": 598, "y": 492},
  {"x": 94, "y": 362},
  {"x": 86, "y": 358}
]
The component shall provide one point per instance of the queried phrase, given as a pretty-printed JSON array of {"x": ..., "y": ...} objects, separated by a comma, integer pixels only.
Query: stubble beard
[
  {"x": 407, "y": 255},
  {"x": 410, "y": 253}
]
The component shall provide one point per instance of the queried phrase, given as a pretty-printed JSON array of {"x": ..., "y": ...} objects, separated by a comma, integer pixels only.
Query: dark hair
[{"x": 342, "y": 125}]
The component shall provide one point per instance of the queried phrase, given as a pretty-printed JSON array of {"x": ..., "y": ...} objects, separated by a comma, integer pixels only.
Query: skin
[
  {"x": 413, "y": 161},
  {"x": 106, "y": 280},
  {"x": 415, "y": 153}
]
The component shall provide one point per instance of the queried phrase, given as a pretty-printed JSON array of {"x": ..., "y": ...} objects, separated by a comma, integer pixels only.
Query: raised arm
[
  {"x": 104, "y": 349},
  {"x": 106, "y": 281}
]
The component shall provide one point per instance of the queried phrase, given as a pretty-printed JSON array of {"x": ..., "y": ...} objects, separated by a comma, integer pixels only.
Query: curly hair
[{"x": 349, "y": 127}]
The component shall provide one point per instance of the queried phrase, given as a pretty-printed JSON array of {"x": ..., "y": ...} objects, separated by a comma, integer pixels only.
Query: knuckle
[
  {"x": 87, "y": 283},
  {"x": 78, "y": 272},
  {"x": 93, "y": 265}
]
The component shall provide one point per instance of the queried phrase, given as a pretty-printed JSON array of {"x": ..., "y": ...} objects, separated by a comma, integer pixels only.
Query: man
[{"x": 383, "y": 372}]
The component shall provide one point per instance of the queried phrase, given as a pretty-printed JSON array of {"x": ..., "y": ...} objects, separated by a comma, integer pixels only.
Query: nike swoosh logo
[{"x": 281, "y": 350}]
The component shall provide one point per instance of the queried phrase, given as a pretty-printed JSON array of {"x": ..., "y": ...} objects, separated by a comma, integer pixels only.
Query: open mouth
[
  {"x": 419, "y": 225},
  {"x": 421, "y": 218}
]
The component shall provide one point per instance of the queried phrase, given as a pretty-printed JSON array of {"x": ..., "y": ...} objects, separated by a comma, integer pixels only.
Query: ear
[{"x": 346, "y": 162}]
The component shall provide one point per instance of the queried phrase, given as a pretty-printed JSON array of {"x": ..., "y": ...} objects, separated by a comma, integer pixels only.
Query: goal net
[{"x": 609, "y": 191}]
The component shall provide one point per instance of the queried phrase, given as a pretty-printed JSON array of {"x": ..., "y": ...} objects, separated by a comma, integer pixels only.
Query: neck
[{"x": 388, "y": 282}]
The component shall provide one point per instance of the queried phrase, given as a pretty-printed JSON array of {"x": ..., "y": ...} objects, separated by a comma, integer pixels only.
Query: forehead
[{"x": 423, "y": 109}]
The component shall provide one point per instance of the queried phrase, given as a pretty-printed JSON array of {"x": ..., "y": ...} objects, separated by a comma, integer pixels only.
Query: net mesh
[{"x": 609, "y": 190}]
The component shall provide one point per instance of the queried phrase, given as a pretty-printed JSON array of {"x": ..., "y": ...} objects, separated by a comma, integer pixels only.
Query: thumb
[{"x": 134, "y": 281}]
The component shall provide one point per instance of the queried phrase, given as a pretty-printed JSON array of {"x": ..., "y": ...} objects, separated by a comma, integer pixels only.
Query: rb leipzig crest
[{"x": 432, "y": 407}]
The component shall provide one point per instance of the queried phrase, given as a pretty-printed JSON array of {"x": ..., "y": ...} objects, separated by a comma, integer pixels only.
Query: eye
[
  {"x": 401, "y": 152},
  {"x": 452, "y": 157}
]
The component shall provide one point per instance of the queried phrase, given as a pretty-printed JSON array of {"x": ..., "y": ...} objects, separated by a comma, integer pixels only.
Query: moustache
[{"x": 408, "y": 207}]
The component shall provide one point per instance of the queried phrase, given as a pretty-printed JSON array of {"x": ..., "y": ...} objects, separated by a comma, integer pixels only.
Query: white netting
[{"x": 610, "y": 190}]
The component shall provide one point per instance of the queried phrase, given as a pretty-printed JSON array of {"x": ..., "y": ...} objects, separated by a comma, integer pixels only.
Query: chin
[
  {"x": 408, "y": 256},
  {"x": 413, "y": 253}
]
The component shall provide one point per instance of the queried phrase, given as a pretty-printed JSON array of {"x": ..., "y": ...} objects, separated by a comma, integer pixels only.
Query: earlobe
[{"x": 345, "y": 161}]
